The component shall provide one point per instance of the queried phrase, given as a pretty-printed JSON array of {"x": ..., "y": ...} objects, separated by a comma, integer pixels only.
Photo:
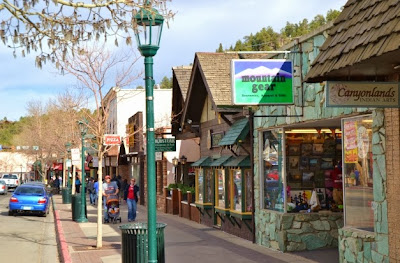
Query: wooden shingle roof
[
  {"x": 216, "y": 69},
  {"x": 365, "y": 30},
  {"x": 182, "y": 74}
]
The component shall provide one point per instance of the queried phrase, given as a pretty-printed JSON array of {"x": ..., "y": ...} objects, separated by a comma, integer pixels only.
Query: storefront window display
[
  {"x": 313, "y": 159},
  {"x": 358, "y": 171},
  {"x": 200, "y": 185},
  {"x": 220, "y": 185},
  {"x": 273, "y": 182},
  {"x": 236, "y": 182},
  {"x": 208, "y": 187}
]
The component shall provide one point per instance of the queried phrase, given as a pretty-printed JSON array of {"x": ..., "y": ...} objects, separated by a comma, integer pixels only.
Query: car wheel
[
  {"x": 44, "y": 214},
  {"x": 10, "y": 213}
]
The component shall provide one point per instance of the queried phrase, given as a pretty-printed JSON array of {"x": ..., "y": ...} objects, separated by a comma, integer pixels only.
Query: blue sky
[{"x": 198, "y": 26}]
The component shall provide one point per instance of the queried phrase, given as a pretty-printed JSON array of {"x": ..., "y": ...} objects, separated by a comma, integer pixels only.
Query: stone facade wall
[
  {"x": 392, "y": 117},
  {"x": 362, "y": 246},
  {"x": 370, "y": 247},
  {"x": 300, "y": 231}
]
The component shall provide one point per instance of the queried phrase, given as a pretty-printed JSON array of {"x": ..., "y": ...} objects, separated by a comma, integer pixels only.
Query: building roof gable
[{"x": 365, "y": 30}]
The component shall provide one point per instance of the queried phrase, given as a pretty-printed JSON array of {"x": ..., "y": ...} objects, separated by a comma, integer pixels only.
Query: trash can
[
  {"x": 76, "y": 207},
  {"x": 135, "y": 243},
  {"x": 66, "y": 195}
]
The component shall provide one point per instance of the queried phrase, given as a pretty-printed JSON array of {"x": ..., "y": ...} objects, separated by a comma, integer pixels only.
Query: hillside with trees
[{"x": 267, "y": 39}]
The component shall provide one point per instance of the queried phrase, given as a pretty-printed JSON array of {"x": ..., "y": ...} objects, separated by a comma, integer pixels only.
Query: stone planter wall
[{"x": 302, "y": 231}]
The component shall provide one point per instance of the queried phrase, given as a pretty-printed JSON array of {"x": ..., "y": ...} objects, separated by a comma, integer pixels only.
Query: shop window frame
[
  {"x": 281, "y": 168},
  {"x": 225, "y": 208},
  {"x": 345, "y": 213},
  {"x": 242, "y": 214}
]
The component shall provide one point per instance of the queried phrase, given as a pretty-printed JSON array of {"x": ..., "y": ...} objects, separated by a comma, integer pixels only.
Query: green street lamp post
[
  {"x": 83, "y": 128},
  {"x": 148, "y": 35}
]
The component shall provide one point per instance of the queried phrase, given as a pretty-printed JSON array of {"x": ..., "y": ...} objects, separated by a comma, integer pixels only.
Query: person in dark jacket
[{"x": 131, "y": 198}]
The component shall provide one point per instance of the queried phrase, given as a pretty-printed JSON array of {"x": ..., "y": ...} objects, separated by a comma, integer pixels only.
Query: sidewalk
[{"x": 185, "y": 241}]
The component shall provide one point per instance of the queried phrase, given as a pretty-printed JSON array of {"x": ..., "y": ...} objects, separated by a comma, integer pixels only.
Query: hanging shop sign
[
  {"x": 262, "y": 82},
  {"x": 165, "y": 145},
  {"x": 362, "y": 94},
  {"x": 112, "y": 139}
]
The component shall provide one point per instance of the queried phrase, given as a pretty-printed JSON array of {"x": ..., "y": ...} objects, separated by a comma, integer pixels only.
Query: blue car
[{"x": 29, "y": 198}]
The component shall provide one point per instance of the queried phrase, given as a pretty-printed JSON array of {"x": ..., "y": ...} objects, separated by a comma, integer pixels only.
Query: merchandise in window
[
  {"x": 236, "y": 180},
  {"x": 272, "y": 170},
  {"x": 220, "y": 185},
  {"x": 311, "y": 157},
  {"x": 208, "y": 186},
  {"x": 200, "y": 186},
  {"x": 358, "y": 173}
]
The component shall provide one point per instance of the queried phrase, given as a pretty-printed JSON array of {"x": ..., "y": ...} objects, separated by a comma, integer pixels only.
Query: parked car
[
  {"x": 31, "y": 198},
  {"x": 11, "y": 180},
  {"x": 3, "y": 187}
]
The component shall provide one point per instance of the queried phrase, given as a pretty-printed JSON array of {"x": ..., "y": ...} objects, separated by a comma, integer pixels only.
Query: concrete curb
[{"x": 62, "y": 243}]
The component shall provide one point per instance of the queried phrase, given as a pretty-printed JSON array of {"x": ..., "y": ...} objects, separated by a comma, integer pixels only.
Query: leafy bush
[{"x": 184, "y": 188}]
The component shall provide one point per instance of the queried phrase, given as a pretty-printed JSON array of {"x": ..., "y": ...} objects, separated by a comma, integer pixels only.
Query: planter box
[{"x": 172, "y": 203}]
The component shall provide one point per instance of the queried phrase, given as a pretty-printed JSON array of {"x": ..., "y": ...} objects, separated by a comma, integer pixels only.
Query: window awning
[
  {"x": 204, "y": 161},
  {"x": 221, "y": 161},
  {"x": 237, "y": 132},
  {"x": 240, "y": 161}
]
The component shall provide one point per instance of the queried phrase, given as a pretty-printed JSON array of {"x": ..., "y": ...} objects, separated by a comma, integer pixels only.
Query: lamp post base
[{"x": 82, "y": 220}]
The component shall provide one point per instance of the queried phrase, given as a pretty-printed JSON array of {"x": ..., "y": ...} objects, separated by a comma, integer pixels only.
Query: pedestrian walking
[
  {"x": 96, "y": 191},
  {"x": 131, "y": 198},
  {"x": 109, "y": 188},
  {"x": 91, "y": 191},
  {"x": 77, "y": 184}
]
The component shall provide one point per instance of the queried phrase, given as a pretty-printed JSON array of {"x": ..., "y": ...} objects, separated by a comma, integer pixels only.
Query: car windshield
[
  {"x": 29, "y": 190},
  {"x": 10, "y": 176}
]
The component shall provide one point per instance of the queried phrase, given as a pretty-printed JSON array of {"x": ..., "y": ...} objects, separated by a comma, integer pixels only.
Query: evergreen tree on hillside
[
  {"x": 267, "y": 39},
  {"x": 166, "y": 83}
]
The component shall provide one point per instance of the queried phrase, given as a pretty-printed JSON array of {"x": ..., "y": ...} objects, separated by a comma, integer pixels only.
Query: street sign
[
  {"x": 76, "y": 156},
  {"x": 112, "y": 139},
  {"x": 165, "y": 144}
]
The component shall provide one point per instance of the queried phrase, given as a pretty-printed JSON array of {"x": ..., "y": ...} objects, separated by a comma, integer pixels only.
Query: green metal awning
[
  {"x": 240, "y": 161},
  {"x": 204, "y": 161},
  {"x": 237, "y": 132},
  {"x": 221, "y": 161}
]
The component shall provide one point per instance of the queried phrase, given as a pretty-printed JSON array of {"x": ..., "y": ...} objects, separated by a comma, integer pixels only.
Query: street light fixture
[
  {"x": 83, "y": 127},
  {"x": 175, "y": 162},
  {"x": 148, "y": 35},
  {"x": 183, "y": 162}
]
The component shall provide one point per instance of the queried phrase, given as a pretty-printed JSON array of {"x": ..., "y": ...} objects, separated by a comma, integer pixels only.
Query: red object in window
[{"x": 273, "y": 175}]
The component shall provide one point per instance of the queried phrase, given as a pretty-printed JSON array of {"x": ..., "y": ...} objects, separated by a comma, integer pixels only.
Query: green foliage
[
  {"x": 166, "y": 83},
  {"x": 220, "y": 48},
  {"x": 9, "y": 129},
  {"x": 184, "y": 188},
  {"x": 267, "y": 39}
]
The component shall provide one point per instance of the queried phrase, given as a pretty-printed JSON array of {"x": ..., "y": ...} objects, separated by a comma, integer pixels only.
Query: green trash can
[
  {"x": 66, "y": 195},
  {"x": 76, "y": 207},
  {"x": 135, "y": 244}
]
